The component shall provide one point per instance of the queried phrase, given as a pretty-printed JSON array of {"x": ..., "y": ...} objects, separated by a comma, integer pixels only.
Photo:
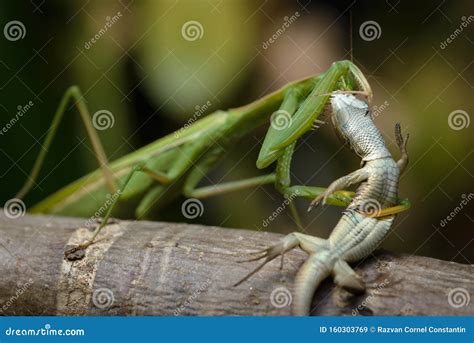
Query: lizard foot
[
  {"x": 308, "y": 243},
  {"x": 323, "y": 198}
]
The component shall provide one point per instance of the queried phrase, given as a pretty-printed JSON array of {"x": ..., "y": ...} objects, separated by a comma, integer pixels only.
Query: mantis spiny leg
[
  {"x": 105, "y": 221},
  {"x": 75, "y": 94}
]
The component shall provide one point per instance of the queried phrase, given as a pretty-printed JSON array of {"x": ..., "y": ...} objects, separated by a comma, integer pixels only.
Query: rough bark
[{"x": 155, "y": 268}]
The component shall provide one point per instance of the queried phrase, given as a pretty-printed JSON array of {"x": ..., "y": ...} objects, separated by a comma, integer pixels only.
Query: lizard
[{"x": 361, "y": 228}]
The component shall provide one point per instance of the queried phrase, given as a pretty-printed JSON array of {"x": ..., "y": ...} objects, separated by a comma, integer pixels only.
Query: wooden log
[{"x": 155, "y": 268}]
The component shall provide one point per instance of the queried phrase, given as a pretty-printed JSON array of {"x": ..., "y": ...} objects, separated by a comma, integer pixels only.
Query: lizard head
[{"x": 354, "y": 124}]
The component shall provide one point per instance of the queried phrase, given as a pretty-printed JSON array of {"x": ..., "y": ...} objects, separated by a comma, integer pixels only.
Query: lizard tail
[{"x": 313, "y": 271}]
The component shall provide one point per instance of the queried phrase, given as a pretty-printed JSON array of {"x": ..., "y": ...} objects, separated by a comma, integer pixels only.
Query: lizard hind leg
[
  {"x": 308, "y": 243},
  {"x": 347, "y": 278},
  {"x": 268, "y": 254},
  {"x": 317, "y": 268}
]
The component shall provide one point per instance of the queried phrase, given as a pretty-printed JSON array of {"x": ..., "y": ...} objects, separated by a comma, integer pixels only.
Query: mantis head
[{"x": 302, "y": 113}]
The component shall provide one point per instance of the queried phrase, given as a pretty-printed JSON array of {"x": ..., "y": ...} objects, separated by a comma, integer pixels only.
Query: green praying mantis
[{"x": 175, "y": 164}]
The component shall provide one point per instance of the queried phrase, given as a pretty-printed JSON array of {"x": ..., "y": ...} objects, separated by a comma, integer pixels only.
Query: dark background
[{"x": 151, "y": 79}]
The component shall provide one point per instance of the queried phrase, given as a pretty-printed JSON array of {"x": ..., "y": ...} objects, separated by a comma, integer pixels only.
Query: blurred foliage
[
  {"x": 152, "y": 79},
  {"x": 180, "y": 74}
]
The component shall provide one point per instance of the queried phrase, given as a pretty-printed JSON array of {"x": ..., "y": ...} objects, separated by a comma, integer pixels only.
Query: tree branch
[{"x": 155, "y": 268}]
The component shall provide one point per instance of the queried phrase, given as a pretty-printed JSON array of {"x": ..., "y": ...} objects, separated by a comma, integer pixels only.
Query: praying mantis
[{"x": 175, "y": 164}]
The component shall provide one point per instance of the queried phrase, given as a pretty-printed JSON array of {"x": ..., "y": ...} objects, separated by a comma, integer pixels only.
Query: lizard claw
[
  {"x": 317, "y": 201},
  {"x": 260, "y": 266},
  {"x": 401, "y": 141},
  {"x": 269, "y": 254},
  {"x": 262, "y": 254}
]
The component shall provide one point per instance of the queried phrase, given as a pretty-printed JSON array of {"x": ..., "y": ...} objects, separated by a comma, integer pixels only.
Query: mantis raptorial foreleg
[
  {"x": 73, "y": 93},
  {"x": 288, "y": 106},
  {"x": 343, "y": 74}
]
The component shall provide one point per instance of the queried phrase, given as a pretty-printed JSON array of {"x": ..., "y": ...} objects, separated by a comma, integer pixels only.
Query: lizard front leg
[{"x": 355, "y": 177}]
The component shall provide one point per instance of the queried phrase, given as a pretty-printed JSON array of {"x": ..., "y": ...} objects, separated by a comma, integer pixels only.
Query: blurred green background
[{"x": 153, "y": 75}]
